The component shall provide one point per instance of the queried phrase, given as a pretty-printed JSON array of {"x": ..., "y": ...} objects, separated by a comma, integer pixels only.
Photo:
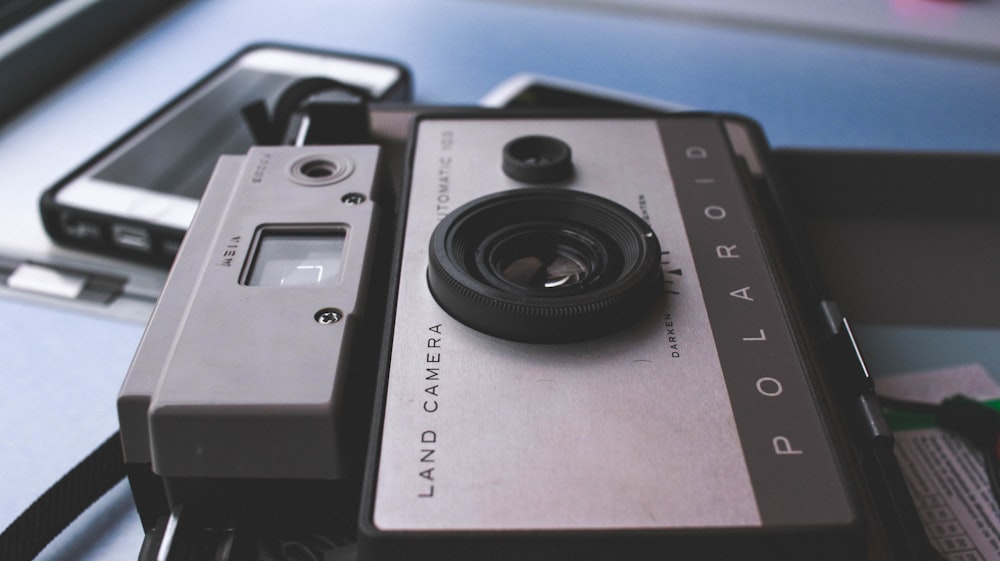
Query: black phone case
[{"x": 93, "y": 231}]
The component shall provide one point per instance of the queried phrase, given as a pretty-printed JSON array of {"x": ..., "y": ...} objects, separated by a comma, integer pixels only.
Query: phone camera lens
[{"x": 537, "y": 159}]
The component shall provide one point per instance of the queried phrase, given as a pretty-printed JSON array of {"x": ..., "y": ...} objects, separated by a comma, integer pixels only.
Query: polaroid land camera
[{"x": 560, "y": 337}]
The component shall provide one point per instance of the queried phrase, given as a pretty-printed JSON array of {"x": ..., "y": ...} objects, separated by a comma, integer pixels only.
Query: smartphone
[
  {"x": 537, "y": 91},
  {"x": 136, "y": 198}
]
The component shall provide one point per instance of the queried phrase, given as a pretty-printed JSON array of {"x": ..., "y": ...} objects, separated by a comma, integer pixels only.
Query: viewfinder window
[{"x": 298, "y": 259}]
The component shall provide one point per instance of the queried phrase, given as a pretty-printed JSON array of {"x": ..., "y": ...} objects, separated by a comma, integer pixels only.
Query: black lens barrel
[{"x": 598, "y": 265}]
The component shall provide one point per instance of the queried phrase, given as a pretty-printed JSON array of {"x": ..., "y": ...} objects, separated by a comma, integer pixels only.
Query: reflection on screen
[{"x": 179, "y": 155}]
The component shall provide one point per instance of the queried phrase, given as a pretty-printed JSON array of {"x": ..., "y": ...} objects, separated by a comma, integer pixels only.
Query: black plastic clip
[{"x": 311, "y": 111}]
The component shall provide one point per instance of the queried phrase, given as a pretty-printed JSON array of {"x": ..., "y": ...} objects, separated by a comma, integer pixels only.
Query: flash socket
[{"x": 318, "y": 170}]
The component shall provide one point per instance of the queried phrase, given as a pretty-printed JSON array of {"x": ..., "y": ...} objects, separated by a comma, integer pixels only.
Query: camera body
[
  {"x": 689, "y": 424},
  {"x": 593, "y": 346},
  {"x": 249, "y": 394}
]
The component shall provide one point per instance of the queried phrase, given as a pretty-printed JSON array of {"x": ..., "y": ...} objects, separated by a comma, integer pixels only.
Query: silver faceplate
[{"x": 634, "y": 430}]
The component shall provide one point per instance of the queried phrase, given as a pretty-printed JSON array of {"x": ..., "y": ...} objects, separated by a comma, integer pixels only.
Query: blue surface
[
  {"x": 806, "y": 93},
  {"x": 60, "y": 373},
  {"x": 62, "y": 370}
]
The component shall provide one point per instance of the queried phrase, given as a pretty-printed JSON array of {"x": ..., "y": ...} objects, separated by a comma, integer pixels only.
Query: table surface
[{"x": 62, "y": 368}]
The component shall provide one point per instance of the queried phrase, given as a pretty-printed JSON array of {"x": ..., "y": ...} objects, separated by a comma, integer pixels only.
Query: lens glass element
[{"x": 543, "y": 256}]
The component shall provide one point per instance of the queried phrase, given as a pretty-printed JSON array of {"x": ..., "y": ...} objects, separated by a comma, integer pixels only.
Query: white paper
[{"x": 945, "y": 476}]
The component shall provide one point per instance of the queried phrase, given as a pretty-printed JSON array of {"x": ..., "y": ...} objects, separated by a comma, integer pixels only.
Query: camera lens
[
  {"x": 544, "y": 265},
  {"x": 537, "y": 159},
  {"x": 544, "y": 256}
]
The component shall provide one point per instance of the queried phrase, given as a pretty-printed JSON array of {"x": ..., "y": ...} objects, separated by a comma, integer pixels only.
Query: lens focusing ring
[{"x": 544, "y": 265}]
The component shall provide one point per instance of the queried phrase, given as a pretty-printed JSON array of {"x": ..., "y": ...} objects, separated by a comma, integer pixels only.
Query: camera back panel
[{"x": 695, "y": 428}]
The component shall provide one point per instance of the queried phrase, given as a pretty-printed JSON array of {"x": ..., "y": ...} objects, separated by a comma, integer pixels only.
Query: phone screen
[
  {"x": 171, "y": 159},
  {"x": 137, "y": 199},
  {"x": 174, "y": 154}
]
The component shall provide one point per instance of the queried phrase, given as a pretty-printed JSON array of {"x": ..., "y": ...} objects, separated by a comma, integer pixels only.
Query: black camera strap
[{"x": 63, "y": 502}]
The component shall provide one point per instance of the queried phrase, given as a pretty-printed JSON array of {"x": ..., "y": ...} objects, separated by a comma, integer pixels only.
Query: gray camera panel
[
  {"x": 788, "y": 452},
  {"x": 154, "y": 348},
  {"x": 633, "y": 430},
  {"x": 243, "y": 381}
]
